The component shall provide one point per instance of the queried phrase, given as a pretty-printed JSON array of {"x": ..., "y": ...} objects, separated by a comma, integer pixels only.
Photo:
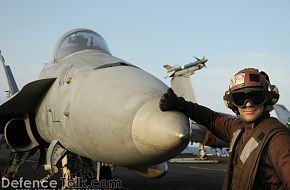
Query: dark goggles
[{"x": 257, "y": 98}]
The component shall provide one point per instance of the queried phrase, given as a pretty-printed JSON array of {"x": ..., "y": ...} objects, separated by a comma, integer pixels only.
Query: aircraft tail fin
[
  {"x": 182, "y": 86},
  {"x": 13, "y": 88},
  {"x": 282, "y": 113}
]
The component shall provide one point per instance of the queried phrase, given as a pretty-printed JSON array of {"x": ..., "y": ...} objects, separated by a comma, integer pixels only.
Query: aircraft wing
[
  {"x": 282, "y": 113},
  {"x": 24, "y": 100}
]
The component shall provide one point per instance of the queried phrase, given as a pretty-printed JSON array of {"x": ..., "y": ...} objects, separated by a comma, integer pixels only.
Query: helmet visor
[{"x": 257, "y": 98}]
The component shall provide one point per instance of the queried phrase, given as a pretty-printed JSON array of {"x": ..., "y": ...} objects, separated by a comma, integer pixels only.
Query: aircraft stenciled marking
[
  {"x": 64, "y": 75},
  {"x": 30, "y": 161},
  {"x": 201, "y": 168}
]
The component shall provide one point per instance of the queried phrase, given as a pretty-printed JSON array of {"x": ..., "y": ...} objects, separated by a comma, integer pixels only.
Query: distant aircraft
[
  {"x": 283, "y": 114},
  {"x": 92, "y": 104},
  {"x": 187, "y": 69}
]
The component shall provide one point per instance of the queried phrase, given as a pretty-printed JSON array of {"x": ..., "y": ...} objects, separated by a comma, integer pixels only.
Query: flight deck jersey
[{"x": 260, "y": 155}]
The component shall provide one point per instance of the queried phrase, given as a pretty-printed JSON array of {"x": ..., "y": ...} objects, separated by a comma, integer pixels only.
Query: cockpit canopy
[{"x": 77, "y": 40}]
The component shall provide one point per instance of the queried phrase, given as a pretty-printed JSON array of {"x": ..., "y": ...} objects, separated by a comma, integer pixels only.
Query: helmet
[{"x": 251, "y": 80}]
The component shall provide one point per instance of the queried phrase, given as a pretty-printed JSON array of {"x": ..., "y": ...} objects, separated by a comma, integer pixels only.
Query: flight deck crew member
[{"x": 259, "y": 144}]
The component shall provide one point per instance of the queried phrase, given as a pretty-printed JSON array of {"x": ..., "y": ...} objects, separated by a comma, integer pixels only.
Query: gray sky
[{"x": 232, "y": 34}]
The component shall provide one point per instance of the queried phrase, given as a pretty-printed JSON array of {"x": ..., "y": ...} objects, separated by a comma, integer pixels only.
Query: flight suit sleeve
[
  {"x": 279, "y": 154},
  {"x": 221, "y": 125}
]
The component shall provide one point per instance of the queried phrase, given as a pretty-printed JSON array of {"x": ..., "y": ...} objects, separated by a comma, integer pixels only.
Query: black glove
[{"x": 169, "y": 101}]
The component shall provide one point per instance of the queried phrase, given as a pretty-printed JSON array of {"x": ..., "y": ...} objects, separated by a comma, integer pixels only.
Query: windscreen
[{"x": 77, "y": 40}]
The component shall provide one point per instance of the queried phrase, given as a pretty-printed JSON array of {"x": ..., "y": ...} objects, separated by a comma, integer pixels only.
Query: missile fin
[
  {"x": 168, "y": 67},
  {"x": 170, "y": 74},
  {"x": 196, "y": 58}
]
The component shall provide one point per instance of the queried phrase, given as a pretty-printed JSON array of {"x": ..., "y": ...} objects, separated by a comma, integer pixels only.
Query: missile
[{"x": 187, "y": 69}]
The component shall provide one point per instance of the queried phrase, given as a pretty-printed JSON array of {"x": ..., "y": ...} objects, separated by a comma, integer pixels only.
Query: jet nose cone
[{"x": 159, "y": 135}]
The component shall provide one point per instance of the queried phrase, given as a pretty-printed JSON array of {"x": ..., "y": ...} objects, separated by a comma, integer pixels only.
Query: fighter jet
[
  {"x": 90, "y": 103},
  {"x": 187, "y": 69}
]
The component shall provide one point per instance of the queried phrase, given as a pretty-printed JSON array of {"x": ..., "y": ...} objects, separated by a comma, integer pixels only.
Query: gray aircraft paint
[{"x": 103, "y": 108}]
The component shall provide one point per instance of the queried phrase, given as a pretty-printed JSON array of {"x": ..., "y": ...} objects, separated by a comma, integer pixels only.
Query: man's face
[{"x": 250, "y": 113}]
